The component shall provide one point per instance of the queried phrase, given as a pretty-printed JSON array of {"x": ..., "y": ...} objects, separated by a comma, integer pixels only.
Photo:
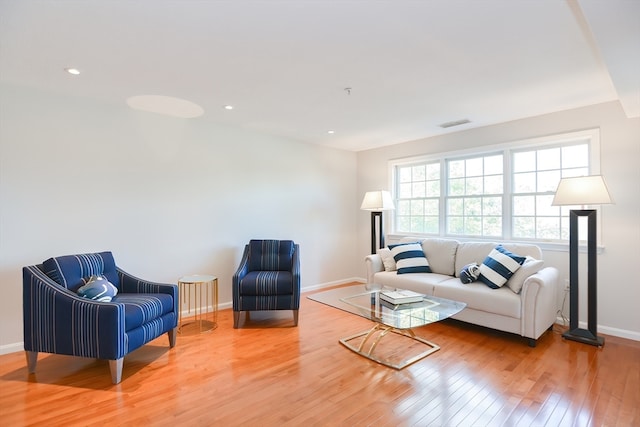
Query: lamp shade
[
  {"x": 377, "y": 201},
  {"x": 582, "y": 190}
]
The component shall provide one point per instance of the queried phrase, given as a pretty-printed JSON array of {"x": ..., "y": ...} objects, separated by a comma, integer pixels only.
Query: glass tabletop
[
  {"x": 197, "y": 278},
  {"x": 402, "y": 316}
]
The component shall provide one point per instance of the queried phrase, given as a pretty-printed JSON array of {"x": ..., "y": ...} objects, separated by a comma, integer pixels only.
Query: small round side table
[{"x": 200, "y": 293}]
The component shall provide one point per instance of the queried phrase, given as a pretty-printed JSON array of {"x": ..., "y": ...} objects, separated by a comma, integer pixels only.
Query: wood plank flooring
[{"x": 269, "y": 373}]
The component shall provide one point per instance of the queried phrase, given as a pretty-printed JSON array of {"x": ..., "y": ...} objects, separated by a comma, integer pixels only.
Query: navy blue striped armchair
[
  {"x": 58, "y": 320},
  {"x": 268, "y": 278}
]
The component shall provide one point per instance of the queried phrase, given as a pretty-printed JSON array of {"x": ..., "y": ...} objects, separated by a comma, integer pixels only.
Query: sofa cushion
[
  {"x": 73, "y": 271},
  {"x": 441, "y": 254},
  {"x": 499, "y": 266},
  {"x": 410, "y": 258},
  {"x": 479, "y": 297},
  {"x": 98, "y": 288},
  {"x": 418, "y": 282},
  {"x": 140, "y": 309},
  {"x": 530, "y": 266},
  {"x": 470, "y": 252},
  {"x": 265, "y": 283}
]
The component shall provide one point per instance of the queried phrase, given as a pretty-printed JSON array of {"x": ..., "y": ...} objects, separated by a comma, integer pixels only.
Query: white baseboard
[
  {"x": 329, "y": 284},
  {"x": 606, "y": 330},
  {"x": 11, "y": 348}
]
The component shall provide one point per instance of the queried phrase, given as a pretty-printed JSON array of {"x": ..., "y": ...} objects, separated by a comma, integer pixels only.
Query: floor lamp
[
  {"x": 376, "y": 202},
  {"x": 583, "y": 190}
]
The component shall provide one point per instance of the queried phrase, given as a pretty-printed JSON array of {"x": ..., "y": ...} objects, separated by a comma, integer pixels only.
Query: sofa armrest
[
  {"x": 374, "y": 265},
  {"x": 539, "y": 300},
  {"x": 58, "y": 321}
]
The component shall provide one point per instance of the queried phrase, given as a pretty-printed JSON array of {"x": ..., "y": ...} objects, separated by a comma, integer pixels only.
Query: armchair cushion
[
  {"x": 73, "y": 271},
  {"x": 270, "y": 255},
  {"x": 266, "y": 283},
  {"x": 141, "y": 308}
]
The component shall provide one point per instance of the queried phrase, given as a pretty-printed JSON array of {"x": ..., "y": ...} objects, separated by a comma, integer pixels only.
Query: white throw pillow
[
  {"x": 530, "y": 266},
  {"x": 387, "y": 259}
]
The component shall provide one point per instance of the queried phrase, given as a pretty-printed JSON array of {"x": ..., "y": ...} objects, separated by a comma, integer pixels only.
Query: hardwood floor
[{"x": 270, "y": 373}]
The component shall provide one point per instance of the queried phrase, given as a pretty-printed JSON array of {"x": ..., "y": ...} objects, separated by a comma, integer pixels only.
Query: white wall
[
  {"x": 168, "y": 196},
  {"x": 618, "y": 287}
]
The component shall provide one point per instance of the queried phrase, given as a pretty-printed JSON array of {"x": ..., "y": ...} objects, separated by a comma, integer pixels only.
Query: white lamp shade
[
  {"x": 377, "y": 201},
  {"x": 582, "y": 190}
]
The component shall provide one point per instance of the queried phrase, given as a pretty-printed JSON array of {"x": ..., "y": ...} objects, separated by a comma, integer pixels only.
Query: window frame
[
  {"x": 449, "y": 197},
  {"x": 590, "y": 136}
]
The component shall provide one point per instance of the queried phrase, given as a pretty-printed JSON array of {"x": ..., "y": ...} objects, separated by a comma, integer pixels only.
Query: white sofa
[{"x": 528, "y": 313}]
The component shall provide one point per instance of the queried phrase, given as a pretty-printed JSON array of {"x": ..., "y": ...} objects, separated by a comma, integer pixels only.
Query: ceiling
[{"x": 285, "y": 66}]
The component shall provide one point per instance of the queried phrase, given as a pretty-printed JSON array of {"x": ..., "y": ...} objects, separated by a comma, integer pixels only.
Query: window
[
  {"x": 474, "y": 196},
  {"x": 536, "y": 174},
  {"x": 503, "y": 192},
  {"x": 418, "y": 198}
]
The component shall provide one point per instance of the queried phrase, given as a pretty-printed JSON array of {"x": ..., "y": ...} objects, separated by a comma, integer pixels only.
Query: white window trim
[{"x": 507, "y": 148}]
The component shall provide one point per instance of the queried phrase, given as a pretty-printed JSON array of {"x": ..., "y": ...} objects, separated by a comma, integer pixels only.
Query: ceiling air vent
[{"x": 455, "y": 123}]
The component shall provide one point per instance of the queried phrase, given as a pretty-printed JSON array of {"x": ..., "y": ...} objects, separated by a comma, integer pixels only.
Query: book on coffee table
[{"x": 400, "y": 296}]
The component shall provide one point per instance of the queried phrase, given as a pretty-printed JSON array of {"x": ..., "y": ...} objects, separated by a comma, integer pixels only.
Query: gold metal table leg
[
  {"x": 382, "y": 331},
  {"x": 201, "y": 293}
]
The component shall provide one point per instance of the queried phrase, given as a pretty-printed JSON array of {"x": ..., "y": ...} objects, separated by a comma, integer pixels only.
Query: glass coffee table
[{"x": 390, "y": 320}]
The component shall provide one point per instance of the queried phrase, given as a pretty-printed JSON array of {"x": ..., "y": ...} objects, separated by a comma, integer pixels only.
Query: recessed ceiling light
[
  {"x": 73, "y": 71},
  {"x": 331, "y": 132},
  {"x": 228, "y": 107}
]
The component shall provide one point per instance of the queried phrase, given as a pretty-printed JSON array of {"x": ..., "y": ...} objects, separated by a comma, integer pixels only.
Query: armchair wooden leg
[
  {"x": 115, "y": 366},
  {"x": 236, "y": 319},
  {"x": 172, "y": 337},
  {"x": 32, "y": 360},
  {"x": 295, "y": 317}
]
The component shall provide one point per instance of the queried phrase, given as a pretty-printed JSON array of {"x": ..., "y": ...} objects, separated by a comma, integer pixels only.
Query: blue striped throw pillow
[
  {"x": 98, "y": 288},
  {"x": 470, "y": 273},
  {"x": 410, "y": 258},
  {"x": 499, "y": 266}
]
